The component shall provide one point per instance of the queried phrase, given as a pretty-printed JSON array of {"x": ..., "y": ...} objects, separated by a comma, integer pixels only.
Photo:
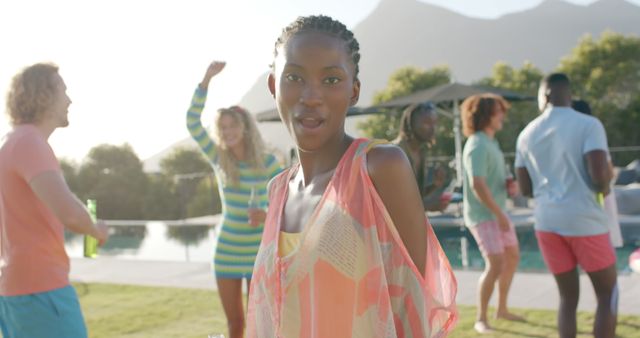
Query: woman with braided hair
[
  {"x": 347, "y": 250},
  {"x": 242, "y": 168}
]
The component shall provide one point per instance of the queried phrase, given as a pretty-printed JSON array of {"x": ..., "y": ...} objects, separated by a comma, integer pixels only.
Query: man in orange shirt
[{"x": 36, "y": 298}]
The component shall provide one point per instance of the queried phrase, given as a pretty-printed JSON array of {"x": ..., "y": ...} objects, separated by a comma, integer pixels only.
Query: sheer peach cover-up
[{"x": 351, "y": 275}]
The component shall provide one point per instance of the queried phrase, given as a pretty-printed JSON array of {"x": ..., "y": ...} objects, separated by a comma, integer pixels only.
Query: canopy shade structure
[{"x": 451, "y": 92}]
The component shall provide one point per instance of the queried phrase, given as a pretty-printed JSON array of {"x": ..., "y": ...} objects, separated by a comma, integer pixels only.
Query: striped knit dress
[{"x": 238, "y": 242}]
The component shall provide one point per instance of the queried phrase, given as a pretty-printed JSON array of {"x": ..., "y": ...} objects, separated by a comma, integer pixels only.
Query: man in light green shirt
[
  {"x": 485, "y": 194},
  {"x": 483, "y": 158}
]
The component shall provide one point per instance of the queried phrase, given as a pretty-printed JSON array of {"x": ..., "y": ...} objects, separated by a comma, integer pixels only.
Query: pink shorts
[
  {"x": 491, "y": 240},
  {"x": 564, "y": 253}
]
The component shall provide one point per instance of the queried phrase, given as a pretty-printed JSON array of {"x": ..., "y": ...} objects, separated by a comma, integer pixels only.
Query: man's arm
[
  {"x": 599, "y": 170},
  {"x": 524, "y": 181},
  {"x": 481, "y": 190},
  {"x": 52, "y": 190}
]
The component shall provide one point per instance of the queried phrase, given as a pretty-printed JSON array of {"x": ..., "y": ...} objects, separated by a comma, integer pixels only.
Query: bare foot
[
  {"x": 482, "y": 327},
  {"x": 509, "y": 316}
]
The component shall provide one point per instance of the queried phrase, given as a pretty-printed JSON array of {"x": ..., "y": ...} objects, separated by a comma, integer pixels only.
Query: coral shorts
[
  {"x": 564, "y": 253},
  {"x": 491, "y": 239}
]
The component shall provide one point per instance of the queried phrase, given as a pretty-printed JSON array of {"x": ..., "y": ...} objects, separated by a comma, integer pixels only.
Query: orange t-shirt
[{"x": 32, "y": 254}]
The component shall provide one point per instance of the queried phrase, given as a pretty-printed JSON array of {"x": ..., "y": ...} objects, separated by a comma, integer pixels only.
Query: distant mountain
[
  {"x": 402, "y": 33},
  {"x": 410, "y": 33}
]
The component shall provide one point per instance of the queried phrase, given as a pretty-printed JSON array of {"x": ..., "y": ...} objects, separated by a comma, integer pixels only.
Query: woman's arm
[
  {"x": 393, "y": 178},
  {"x": 194, "y": 124}
]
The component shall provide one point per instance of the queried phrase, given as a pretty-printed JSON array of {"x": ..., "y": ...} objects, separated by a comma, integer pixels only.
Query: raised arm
[
  {"x": 393, "y": 178},
  {"x": 194, "y": 123}
]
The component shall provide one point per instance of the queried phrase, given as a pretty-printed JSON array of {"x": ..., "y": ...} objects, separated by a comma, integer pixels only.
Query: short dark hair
[
  {"x": 323, "y": 24},
  {"x": 556, "y": 79}
]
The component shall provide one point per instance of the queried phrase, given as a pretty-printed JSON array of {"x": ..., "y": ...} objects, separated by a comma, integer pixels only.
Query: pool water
[
  {"x": 452, "y": 238},
  {"x": 159, "y": 241}
]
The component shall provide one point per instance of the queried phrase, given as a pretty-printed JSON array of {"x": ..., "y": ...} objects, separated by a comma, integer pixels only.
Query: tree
[
  {"x": 194, "y": 186},
  {"x": 70, "y": 173},
  {"x": 184, "y": 161},
  {"x": 113, "y": 176},
  {"x": 403, "y": 82},
  {"x": 524, "y": 81},
  {"x": 606, "y": 73},
  {"x": 206, "y": 200},
  {"x": 160, "y": 201}
]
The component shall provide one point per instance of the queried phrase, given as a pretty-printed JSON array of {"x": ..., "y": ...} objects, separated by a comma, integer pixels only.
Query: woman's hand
[
  {"x": 214, "y": 69},
  {"x": 256, "y": 217}
]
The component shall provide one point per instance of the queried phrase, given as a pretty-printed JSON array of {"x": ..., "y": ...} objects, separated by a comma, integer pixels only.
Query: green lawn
[{"x": 135, "y": 311}]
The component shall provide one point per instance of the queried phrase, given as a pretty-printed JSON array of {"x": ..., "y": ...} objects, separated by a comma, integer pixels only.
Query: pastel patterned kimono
[{"x": 351, "y": 275}]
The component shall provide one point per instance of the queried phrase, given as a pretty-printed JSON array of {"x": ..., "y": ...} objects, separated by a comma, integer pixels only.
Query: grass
[{"x": 134, "y": 312}]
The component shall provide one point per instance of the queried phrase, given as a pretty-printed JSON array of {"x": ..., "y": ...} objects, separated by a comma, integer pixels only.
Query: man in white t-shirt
[{"x": 561, "y": 160}]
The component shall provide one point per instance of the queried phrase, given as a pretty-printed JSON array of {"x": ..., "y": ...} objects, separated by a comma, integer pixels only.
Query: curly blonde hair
[
  {"x": 253, "y": 143},
  {"x": 32, "y": 91},
  {"x": 477, "y": 110}
]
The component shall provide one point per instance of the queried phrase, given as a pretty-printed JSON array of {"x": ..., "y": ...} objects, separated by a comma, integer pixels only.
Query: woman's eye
[
  {"x": 332, "y": 80},
  {"x": 293, "y": 78}
]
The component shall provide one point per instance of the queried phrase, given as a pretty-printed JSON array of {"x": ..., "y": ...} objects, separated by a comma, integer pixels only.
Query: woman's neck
[
  {"x": 323, "y": 160},
  {"x": 414, "y": 145},
  {"x": 239, "y": 152}
]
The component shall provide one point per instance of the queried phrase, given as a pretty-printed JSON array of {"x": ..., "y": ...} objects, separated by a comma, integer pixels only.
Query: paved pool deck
[{"x": 529, "y": 290}]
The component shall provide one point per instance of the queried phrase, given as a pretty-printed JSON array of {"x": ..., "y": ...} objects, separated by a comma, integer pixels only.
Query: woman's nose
[{"x": 311, "y": 94}]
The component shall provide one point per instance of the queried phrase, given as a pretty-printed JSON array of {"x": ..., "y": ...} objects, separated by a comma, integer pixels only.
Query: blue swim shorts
[{"x": 51, "y": 314}]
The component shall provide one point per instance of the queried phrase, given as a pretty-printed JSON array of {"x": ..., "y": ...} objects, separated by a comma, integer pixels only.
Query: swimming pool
[
  {"x": 455, "y": 239},
  {"x": 166, "y": 242}
]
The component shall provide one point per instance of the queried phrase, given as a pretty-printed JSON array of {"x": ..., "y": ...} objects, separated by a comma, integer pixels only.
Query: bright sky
[{"x": 131, "y": 66}]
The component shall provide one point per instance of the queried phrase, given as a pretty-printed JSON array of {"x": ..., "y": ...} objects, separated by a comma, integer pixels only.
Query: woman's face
[
  {"x": 313, "y": 84},
  {"x": 231, "y": 131},
  {"x": 424, "y": 126}
]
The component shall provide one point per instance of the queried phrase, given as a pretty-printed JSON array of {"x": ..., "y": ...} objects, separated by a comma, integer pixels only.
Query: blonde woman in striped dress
[{"x": 241, "y": 165}]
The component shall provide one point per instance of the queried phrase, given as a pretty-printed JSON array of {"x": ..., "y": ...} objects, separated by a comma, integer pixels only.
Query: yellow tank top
[{"x": 288, "y": 242}]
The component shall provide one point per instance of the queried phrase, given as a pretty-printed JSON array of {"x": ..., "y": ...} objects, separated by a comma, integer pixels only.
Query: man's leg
[
  {"x": 569, "y": 288},
  {"x": 511, "y": 259},
  {"x": 606, "y": 287},
  {"x": 492, "y": 271},
  {"x": 597, "y": 257},
  {"x": 561, "y": 261},
  {"x": 489, "y": 239}
]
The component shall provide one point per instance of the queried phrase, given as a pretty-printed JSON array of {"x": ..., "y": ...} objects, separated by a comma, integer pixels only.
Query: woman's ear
[
  {"x": 271, "y": 83},
  {"x": 355, "y": 95}
]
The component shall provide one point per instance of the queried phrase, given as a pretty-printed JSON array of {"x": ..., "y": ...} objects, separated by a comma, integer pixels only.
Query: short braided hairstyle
[{"x": 323, "y": 24}]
